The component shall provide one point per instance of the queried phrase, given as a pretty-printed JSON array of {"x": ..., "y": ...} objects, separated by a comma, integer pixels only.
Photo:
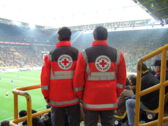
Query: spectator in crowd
[
  {"x": 132, "y": 81},
  {"x": 5, "y": 123},
  {"x": 157, "y": 65},
  {"x": 149, "y": 101},
  {"x": 22, "y": 113},
  {"x": 127, "y": 93},
  {"x": 99, "y": 79},
  {"x": 36, "y": 121},
  {"x": 57, "y": 81}
]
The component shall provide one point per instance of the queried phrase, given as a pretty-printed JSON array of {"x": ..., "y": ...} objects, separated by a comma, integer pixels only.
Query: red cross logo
[
  {"x": 65, "y": 62},
  {"x": 103, "y": 63}
]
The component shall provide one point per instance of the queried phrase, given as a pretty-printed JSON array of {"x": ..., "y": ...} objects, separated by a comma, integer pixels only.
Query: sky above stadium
[{"x": 58, "y": 13}]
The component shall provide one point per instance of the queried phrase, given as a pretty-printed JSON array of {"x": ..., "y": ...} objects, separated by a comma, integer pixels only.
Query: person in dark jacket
[
  {"x": 149, "y": 101},
  {"x": 157, "y": 65},
  {"x": 132, "y": 81},
  {"x": 127, "y": 93},
  {"x": 148, "y": 80}
]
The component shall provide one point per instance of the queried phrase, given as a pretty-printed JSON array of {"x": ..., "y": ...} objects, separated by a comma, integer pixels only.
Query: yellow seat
[
  {"x": 152, "y": 111},
  {"x": 121, "y": 117}
]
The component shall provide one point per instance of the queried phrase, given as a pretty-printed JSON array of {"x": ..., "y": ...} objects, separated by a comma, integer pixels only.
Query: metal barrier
[
  {"x": 22, "y": 92},
  {"x": 161, "y": 86}
]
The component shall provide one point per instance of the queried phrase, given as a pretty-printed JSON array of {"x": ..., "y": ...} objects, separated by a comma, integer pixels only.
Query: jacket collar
[
  {"x": 99, "y": 42},
  {"x": 63, "y": 43}
]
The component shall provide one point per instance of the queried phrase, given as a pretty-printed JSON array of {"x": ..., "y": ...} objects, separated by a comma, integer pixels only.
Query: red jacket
[
  {"x": 57, "y": 75},
  {"x": 100, "y": 76}
]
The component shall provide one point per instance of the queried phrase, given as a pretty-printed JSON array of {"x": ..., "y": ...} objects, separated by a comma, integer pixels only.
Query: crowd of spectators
[
  {"x": 21, "y": 56},
  {"x": 42, "y": 120},
  {"x": 134, "y": 43}
]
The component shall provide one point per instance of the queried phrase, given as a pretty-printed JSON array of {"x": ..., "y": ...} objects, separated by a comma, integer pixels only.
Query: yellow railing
[
  {"x": 161, "y": 86},
  {"x": 22, "y": 92}
]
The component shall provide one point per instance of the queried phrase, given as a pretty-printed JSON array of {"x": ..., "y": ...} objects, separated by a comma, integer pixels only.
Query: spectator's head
[
  {"x": 100, "y": 33},
  {"x": 132, "y": 79},
  {"x": 157, "y": 65},
  {"x": 5, "y": 123},
  {"x": 22, "y": 113},
  {"x": 64, "y": 34}
]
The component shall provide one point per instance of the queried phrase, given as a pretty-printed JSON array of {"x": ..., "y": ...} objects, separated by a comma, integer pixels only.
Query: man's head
[
  {"x": 100, "y": 33},
  {"x": 4, "y": 123},
  {"x": 64, "y": 34},
  {"x": 132, "y": 79},
  {"x": 157, "y": 65},
  {"x": 22, "y": 113}
]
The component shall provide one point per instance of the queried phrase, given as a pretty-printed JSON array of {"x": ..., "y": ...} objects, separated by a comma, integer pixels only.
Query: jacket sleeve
[
  {"x": 121, "y": 74},
  {"x": 45, "y": 77},
  {"x": 79, "y": 77}
]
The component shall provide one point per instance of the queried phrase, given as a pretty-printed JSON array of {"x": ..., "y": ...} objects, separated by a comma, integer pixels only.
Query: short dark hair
[
  {"x": 64, "y": 34},
  {"x": 34, "y": 111},
  {"x": 157, "y": 63},
  {"x": 132, "y": 77},
  {"x": 100, "y": 33},
  {"x": 5, "y": 123},
  {"x": 22, "y": 113}
]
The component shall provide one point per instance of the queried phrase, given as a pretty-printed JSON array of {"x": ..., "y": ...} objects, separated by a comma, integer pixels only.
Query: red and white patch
[
  {"x": 65, "y": 62},
  {"x": 103, "y": 63}
]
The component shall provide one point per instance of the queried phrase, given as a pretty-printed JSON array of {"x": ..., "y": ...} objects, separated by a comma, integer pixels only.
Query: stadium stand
[
  {"x": 20, "y": 47},
  {"x": 20, "y": 56}
]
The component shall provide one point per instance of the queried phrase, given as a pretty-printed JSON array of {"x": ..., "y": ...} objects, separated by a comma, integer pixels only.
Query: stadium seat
[{"x": 118, "y": 120}]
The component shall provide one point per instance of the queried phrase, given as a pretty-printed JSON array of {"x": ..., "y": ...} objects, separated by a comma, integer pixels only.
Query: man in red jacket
[
  {"x": 99, "y": 79},
  {"x": 57, "y": 81}
]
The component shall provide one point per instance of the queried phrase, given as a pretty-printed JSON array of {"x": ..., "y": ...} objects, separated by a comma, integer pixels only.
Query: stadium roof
[
  {"x": 57, "y": 13},
  {"x": 156, "y": 8}
]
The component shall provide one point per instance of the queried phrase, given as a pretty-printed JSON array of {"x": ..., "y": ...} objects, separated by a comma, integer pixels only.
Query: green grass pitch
[{"x": 11, "y": 80}]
